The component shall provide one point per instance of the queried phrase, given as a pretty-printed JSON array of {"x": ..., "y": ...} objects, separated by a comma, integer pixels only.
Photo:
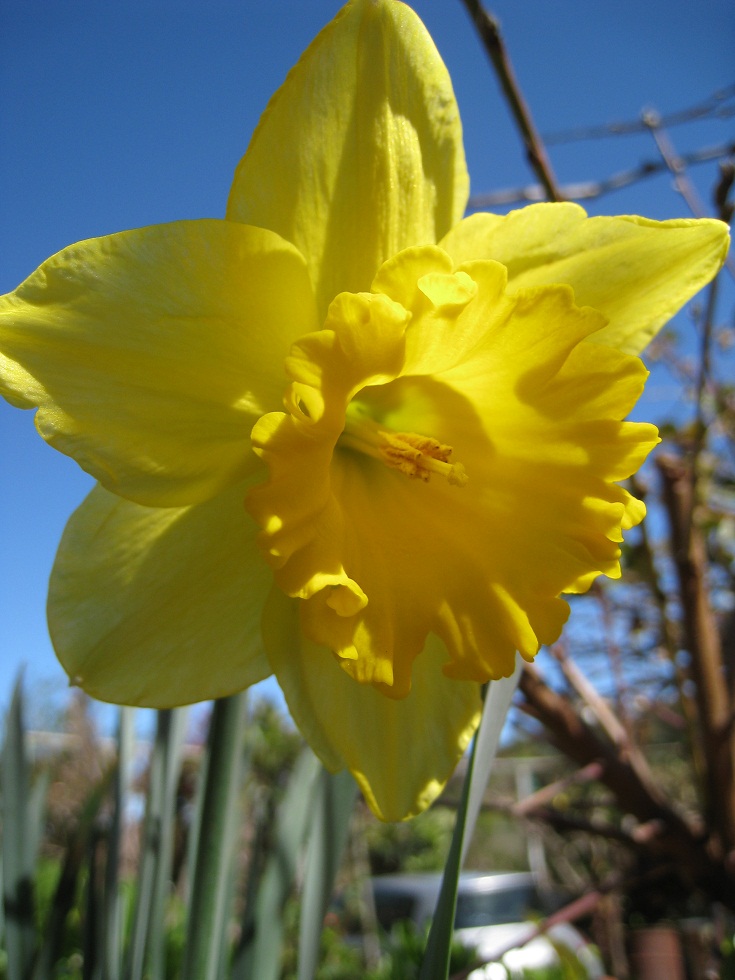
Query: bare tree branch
[
  {"x": 699, "y": 859},
  {"x": 488, "y": 30},
  {"x": 714, "y": 105},
  {"x": 677, "y": 167},
  {"x": 587, "y": 190}
]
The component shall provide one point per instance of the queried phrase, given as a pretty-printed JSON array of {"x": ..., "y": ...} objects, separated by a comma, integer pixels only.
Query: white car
[{"x": 494, "y": 917}]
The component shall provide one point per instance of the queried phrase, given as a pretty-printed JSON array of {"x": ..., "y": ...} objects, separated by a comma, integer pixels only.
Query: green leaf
[
  {"x": 334, "y": 803},
  {"x": 498, "y": 697},
  {"x": 435, "y": 964},
  {"x": 36, "y": 815},
  {"x": 148, "y": 935},
  {"x": 19, "y": 838},
  {"x": 259, "y": 953},
  {"x": 92, "y": 926},
  {"x": 65, "y": 894},
  {"x": 174, "y": 733},
  {"x": 112, "y": 956},
  {"x": 217, "y": 843}
]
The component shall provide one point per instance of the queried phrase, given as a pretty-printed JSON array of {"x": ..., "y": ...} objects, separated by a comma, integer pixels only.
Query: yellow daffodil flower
[{"x": 344, "y": 435}]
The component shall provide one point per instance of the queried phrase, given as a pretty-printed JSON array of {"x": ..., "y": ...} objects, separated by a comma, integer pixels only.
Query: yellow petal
[
  {"x": 362, "y": 343},
  {"x": 424, "y": 282},
  {"x": 360, "y": 153},
  {"x": 455, "y": 470},
  {"x": 151, "y": 353},
  {"x": 400, "y": 752},
  {"x": 159, "y": 606},
  {"x": 636, "y": 272}
]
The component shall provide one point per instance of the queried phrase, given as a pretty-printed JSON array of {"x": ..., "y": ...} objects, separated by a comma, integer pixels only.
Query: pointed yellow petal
[
  {"x": 636, "y": 272},
  {"x": 400, "y": 752},
  {"x": 159, "y": 606},
  {"x": 359, "y": 154},
  {"x": 151, "y": 353}
]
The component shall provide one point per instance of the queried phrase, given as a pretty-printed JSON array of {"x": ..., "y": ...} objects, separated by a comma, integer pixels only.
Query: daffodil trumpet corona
[{"x": 345, "y": 435}]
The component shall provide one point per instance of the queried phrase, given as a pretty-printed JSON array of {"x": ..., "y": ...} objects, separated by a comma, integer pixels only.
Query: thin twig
[
  {"x": 563, "y": 823},
  {"x": 713, "y": 105},
  {"x": 489, "y": 32},
  {"x": 703, "y": 378},
  {"x": 543, "y": 796},
  {"x": 674, "y": 163},
  {"x": 677, "y": 168},
  {"x": 725, "y": 212},
  {"x": 589, "y": 189},
  {"x": 605, "y": 716},
  {"x": 612, "y": 648}
]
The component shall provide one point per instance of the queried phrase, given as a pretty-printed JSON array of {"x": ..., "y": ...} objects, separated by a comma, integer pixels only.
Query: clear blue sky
[{"x": 120, "y": 115}]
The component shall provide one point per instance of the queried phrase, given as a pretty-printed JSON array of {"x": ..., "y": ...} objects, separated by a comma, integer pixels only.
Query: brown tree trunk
[{"x": 714, "y": 707}]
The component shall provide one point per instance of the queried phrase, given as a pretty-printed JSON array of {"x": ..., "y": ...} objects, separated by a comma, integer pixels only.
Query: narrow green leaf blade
[
  {"x": 65, "y": 895},
  {"x": 497, "y": 701},
  {"x": 150, "y": 846},
  {"x": 92, "y": 925},
  {"x": 112, "y": 957},
  {"x": 18, "y": 844},
  {"x": 37, "y": 814},
  {"x": 435, "y": 964},
  {"x": 208, "y": 912},
  {"x": 259, "y": 953},
  {"x": 173, "y": 732},
  {"x": 335, "y": 801}
]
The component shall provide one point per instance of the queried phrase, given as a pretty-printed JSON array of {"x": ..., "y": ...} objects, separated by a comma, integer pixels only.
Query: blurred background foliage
[{"x": 80, "y": 851}]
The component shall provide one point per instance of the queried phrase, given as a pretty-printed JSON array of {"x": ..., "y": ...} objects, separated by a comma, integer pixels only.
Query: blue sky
[{"x": 116, "y": 116}]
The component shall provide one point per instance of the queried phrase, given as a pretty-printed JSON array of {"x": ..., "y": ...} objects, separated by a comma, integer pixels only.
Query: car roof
[{"x": 420, "y": 883}]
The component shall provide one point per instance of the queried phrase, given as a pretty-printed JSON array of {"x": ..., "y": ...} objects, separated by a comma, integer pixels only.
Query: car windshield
[{"x": 495, "y": 908}]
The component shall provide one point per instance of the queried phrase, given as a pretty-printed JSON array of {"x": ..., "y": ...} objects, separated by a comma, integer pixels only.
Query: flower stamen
[{"x": 414, "y": 455}]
